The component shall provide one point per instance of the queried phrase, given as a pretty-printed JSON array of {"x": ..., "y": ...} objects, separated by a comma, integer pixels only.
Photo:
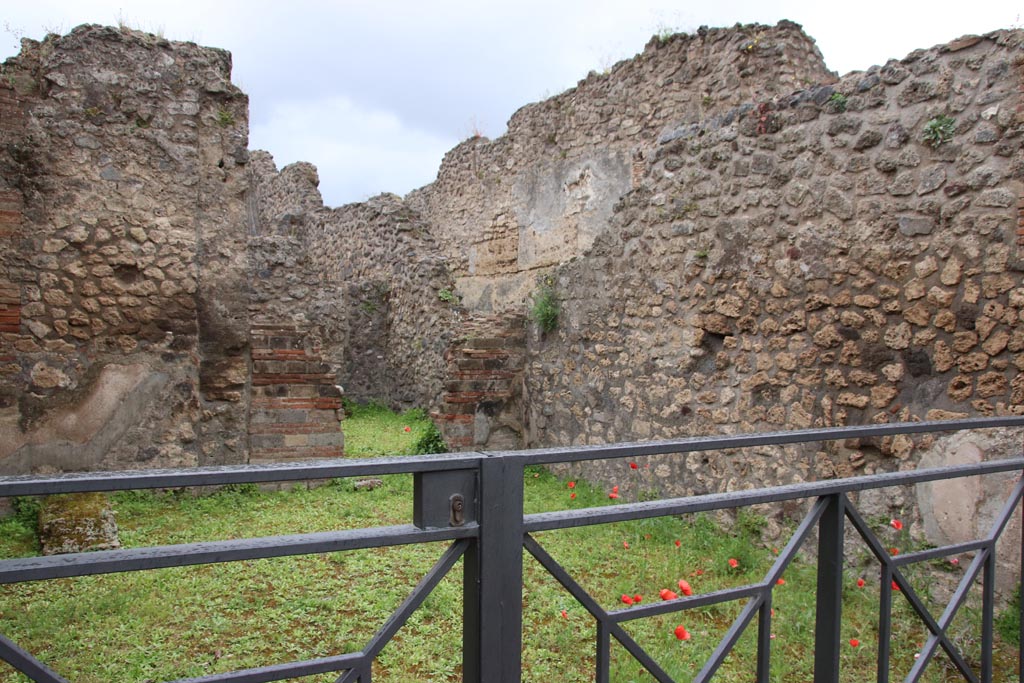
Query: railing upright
[
  {"x": 828, "y": 617},
  {"x": 493, "y": 594}
]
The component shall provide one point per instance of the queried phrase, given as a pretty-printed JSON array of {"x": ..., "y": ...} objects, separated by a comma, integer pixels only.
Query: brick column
[
  {"x": 296, "y": 407},
  {"x": 12, "y": 205},
  {"x": 484, "y": 373},
  {"x": 1020, "y": 121}
]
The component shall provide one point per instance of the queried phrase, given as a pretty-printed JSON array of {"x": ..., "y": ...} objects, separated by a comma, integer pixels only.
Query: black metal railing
[{"x": 475, "y": 501}]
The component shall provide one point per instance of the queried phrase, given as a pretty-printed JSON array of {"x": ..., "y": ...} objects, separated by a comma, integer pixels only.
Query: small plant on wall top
[
  {"x": 938, "y": 130},
  {"x": 544, "y": 309},
  {"x": 838, "y": 102},
  {"x": 225, "y": 118}
]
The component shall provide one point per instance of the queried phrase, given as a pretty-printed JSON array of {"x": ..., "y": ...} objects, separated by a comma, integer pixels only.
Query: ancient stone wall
[
  {"x": 505, "y": 210},
  {"x": 298, "y": 326},
  {"x": 739, "y": 240},
  {"x": 400, "y": 309},
  {"x": 819, "y": 258},
  {"x": 124, "y": 258}
]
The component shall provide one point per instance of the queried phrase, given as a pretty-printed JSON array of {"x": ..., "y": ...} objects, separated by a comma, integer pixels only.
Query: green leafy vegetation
[
  {"x": 939, "y": 130},
  {"x": 665, "y": 32},
  {"x": 545, "y": 307},
  {"x": 838, "y": 101},
  {"x": 195, "y": 621},
  {"x": 372, "y": 429},
  {"x": 1008, "y": 621},
  {"x": 225, "y": 118}
]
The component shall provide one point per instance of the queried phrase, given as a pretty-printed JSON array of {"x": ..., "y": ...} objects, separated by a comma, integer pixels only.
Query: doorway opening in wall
[{"x": 372, "y": 429}]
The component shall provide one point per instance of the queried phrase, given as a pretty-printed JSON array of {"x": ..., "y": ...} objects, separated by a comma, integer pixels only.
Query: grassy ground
[{"x": 165, "y": 624}]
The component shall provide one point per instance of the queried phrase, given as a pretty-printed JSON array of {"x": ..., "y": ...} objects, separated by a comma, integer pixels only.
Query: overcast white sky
[{"x": 374, "y": 92}]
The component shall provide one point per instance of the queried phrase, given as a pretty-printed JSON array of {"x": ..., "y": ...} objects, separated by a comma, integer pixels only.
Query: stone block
[{"x": 77, "y": 522}]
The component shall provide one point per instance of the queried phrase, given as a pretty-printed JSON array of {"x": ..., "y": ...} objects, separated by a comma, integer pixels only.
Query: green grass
[
  {"x": 373, "y": 430},
  {"x": 171, "y": 623}
]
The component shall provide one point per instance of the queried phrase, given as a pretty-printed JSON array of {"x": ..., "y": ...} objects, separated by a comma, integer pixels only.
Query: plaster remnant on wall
[{"x": 79, "y": 436}]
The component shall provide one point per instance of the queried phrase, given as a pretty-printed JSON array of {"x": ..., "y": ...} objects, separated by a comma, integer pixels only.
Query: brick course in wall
[
  {"x": 295, "y": 409},
  {"x": 1020, "y": 121},
  {"x": 482, "y": 387},
  {"x": 12, "y": 206}
]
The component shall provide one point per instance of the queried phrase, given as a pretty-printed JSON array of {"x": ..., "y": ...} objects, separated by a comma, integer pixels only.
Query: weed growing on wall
[
  {"x": 838, "y": 102},
  {"x": 225, "y": 118},
  {"x": 545, "y": 308},
  {"x": 939, "y": 130}
]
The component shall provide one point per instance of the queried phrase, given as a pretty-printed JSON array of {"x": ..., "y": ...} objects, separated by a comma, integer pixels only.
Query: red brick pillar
[
  {"x": 12, "y": 205},
  {"x": 482, "y": 384},
  {"x": 295, "y": 412},
  {"x": 1020, "y": 121}
]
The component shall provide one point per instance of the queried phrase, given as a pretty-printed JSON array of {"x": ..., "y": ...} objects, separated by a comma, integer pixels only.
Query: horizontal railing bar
[
  {"x": 904, "y": 559},
  {"x": 564, "y": 519},
  {"x": 280, "y": 672},
  {"x": 707, "y": 443},
  {"x": 211, "y": 552},
  {"x": 25, "y": 485},
  {"x": 690, "y": 602},
  {"x": 82, "y": 482}
]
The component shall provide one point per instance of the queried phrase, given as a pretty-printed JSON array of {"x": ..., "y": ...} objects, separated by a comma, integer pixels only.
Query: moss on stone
[{"x": 77, "y": 522}]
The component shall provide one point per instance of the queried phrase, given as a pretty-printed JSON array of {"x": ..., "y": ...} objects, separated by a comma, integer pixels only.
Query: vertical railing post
[
  {"x": 493, "y": 580},
  {"x": 988, "y": 605},
  {"x": 764, "y": 640},
  {"x": 603, "y": 653},
  {"x": 828, "y": 618}
]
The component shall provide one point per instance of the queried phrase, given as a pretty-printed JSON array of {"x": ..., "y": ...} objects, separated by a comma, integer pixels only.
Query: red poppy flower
[
  {"x": 626, "y": 599},
  {"x": 684, "y": 586},
  {"x": 633, "y": 466},
  {"x": 572, "y": 496},
  {"x": 638, "y": 598},
  {"x": 678, "y": 543},
  {"x": 860, "y": 583},
  {"x": 571, "y": 485},
  {"x": 407, "y": 428},
  {"x": 613, "y": 496},
  {"x": 666, "y": 594},
  {"x": 955, "y": 561},
  {"x": 615, "y": 489},
  {"x": 894, "y": 551},
  {"x": 625, "y": 544},
  {"x": 565, "y": 615},
  {"x": 854, "y": 642},
  {"x": 895, "y": 586},
  {"x": 733, "y": 562},
  {"x": 780, "y": 582},
  {"x": 682, "y": 633},
  {"x": 896, "y": 524}
]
